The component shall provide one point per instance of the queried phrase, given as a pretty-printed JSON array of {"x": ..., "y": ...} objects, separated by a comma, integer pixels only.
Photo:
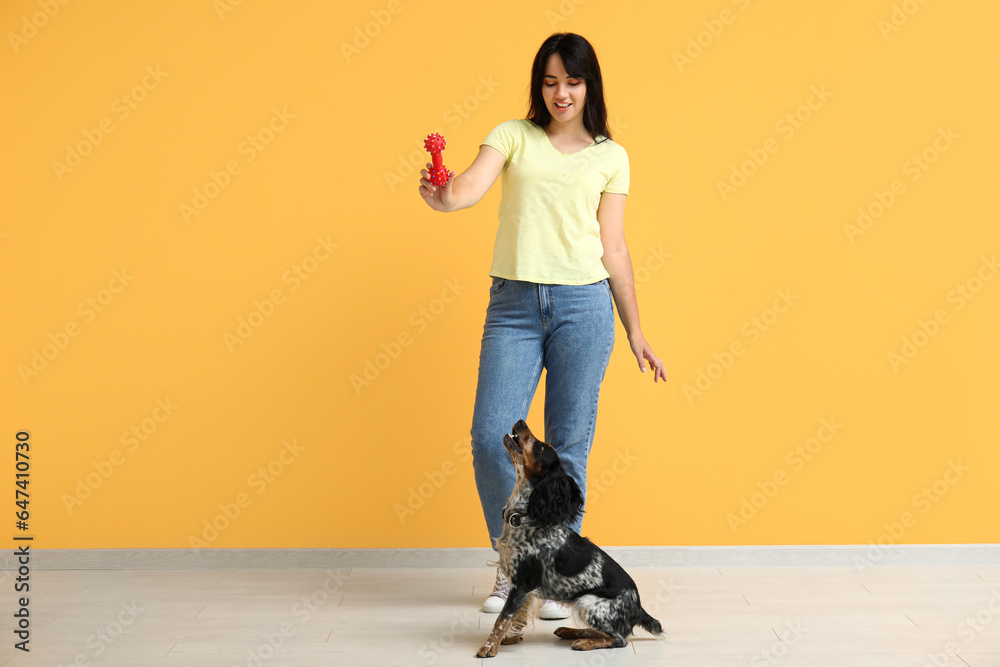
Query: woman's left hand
[{"x": 643, "y": 352}]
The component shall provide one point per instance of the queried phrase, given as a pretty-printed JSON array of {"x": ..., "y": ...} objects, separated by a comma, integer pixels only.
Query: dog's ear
[{"x": 555, "y": 496}]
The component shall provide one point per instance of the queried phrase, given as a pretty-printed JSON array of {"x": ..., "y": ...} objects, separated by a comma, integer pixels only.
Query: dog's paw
[
  {"x": 566, "y": 633},
  {"x": 488, "y": 650},
  {"x": 515, "y": 639}
]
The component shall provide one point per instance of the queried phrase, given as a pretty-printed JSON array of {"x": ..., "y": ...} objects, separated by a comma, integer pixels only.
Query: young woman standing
[{"x": 560, "y": 257}]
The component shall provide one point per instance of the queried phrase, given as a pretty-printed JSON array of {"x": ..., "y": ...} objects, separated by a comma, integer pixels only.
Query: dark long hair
[
  {"x": 555, "y": 496},
  {"x": 580, "y": 61}
]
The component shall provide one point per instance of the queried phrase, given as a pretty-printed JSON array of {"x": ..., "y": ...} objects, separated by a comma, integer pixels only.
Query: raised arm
[{"x": 467, "y": 188}]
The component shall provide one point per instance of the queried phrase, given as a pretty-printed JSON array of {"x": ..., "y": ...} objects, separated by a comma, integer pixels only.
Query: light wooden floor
[{"x": 713, "y": 616}]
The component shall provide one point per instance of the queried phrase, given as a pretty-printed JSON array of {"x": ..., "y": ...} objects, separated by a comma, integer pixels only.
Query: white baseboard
[{"x": 674, "y": 556}]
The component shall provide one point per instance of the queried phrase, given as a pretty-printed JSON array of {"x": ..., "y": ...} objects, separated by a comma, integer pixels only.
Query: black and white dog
[{"x": 543, "y": 558}]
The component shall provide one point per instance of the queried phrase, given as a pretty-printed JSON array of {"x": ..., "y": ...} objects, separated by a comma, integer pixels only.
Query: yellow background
[{"x": 668, "y": 467}]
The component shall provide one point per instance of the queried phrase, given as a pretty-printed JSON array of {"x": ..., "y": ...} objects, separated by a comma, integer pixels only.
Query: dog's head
[{"x": 555, "y": 497}]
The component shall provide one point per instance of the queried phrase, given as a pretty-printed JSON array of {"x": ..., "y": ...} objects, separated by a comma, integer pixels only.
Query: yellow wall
[{"x": 122, "y": 308}]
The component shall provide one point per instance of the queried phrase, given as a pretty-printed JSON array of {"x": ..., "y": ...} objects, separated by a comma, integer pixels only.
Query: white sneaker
[
  {"x": 551, "y": 610},
  {"x": 495, "y": 602}
]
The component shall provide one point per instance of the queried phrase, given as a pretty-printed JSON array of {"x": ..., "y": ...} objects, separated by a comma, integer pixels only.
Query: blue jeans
[{"x": 567, "y": 329}]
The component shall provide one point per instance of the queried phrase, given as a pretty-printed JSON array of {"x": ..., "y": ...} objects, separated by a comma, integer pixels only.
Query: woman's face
[{"x": 564, "y": 96}]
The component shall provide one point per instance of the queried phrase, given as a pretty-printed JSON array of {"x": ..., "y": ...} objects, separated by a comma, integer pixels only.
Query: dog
[{"x": 543, "y": 558}]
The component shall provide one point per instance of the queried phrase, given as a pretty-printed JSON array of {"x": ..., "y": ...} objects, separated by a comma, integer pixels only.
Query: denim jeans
[{"x": 567, "y": 329}]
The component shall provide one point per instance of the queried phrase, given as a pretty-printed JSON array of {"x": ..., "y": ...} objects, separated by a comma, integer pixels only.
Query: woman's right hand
[{"x": 438, "y": 198}]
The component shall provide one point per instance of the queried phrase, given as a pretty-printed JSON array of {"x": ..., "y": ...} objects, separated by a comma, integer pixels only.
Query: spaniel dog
[{"x": 543, "y": 558}]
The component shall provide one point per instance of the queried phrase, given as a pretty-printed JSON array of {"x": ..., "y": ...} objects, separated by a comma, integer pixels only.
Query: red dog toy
[{"x": 434, "y": 143}]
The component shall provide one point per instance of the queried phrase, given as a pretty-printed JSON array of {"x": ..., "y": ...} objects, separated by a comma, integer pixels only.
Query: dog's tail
[{"x": 650, "y": 624}]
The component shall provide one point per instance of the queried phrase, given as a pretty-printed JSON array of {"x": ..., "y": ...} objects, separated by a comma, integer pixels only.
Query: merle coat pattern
[{"x": 543, "y": 558}]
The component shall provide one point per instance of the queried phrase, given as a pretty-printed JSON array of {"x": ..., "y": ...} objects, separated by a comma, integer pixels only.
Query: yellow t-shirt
[{"x": 548, "y": 230}]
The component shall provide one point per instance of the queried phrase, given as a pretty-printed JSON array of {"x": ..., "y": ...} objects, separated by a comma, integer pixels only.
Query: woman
[{"x": 559, "y": 258}]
